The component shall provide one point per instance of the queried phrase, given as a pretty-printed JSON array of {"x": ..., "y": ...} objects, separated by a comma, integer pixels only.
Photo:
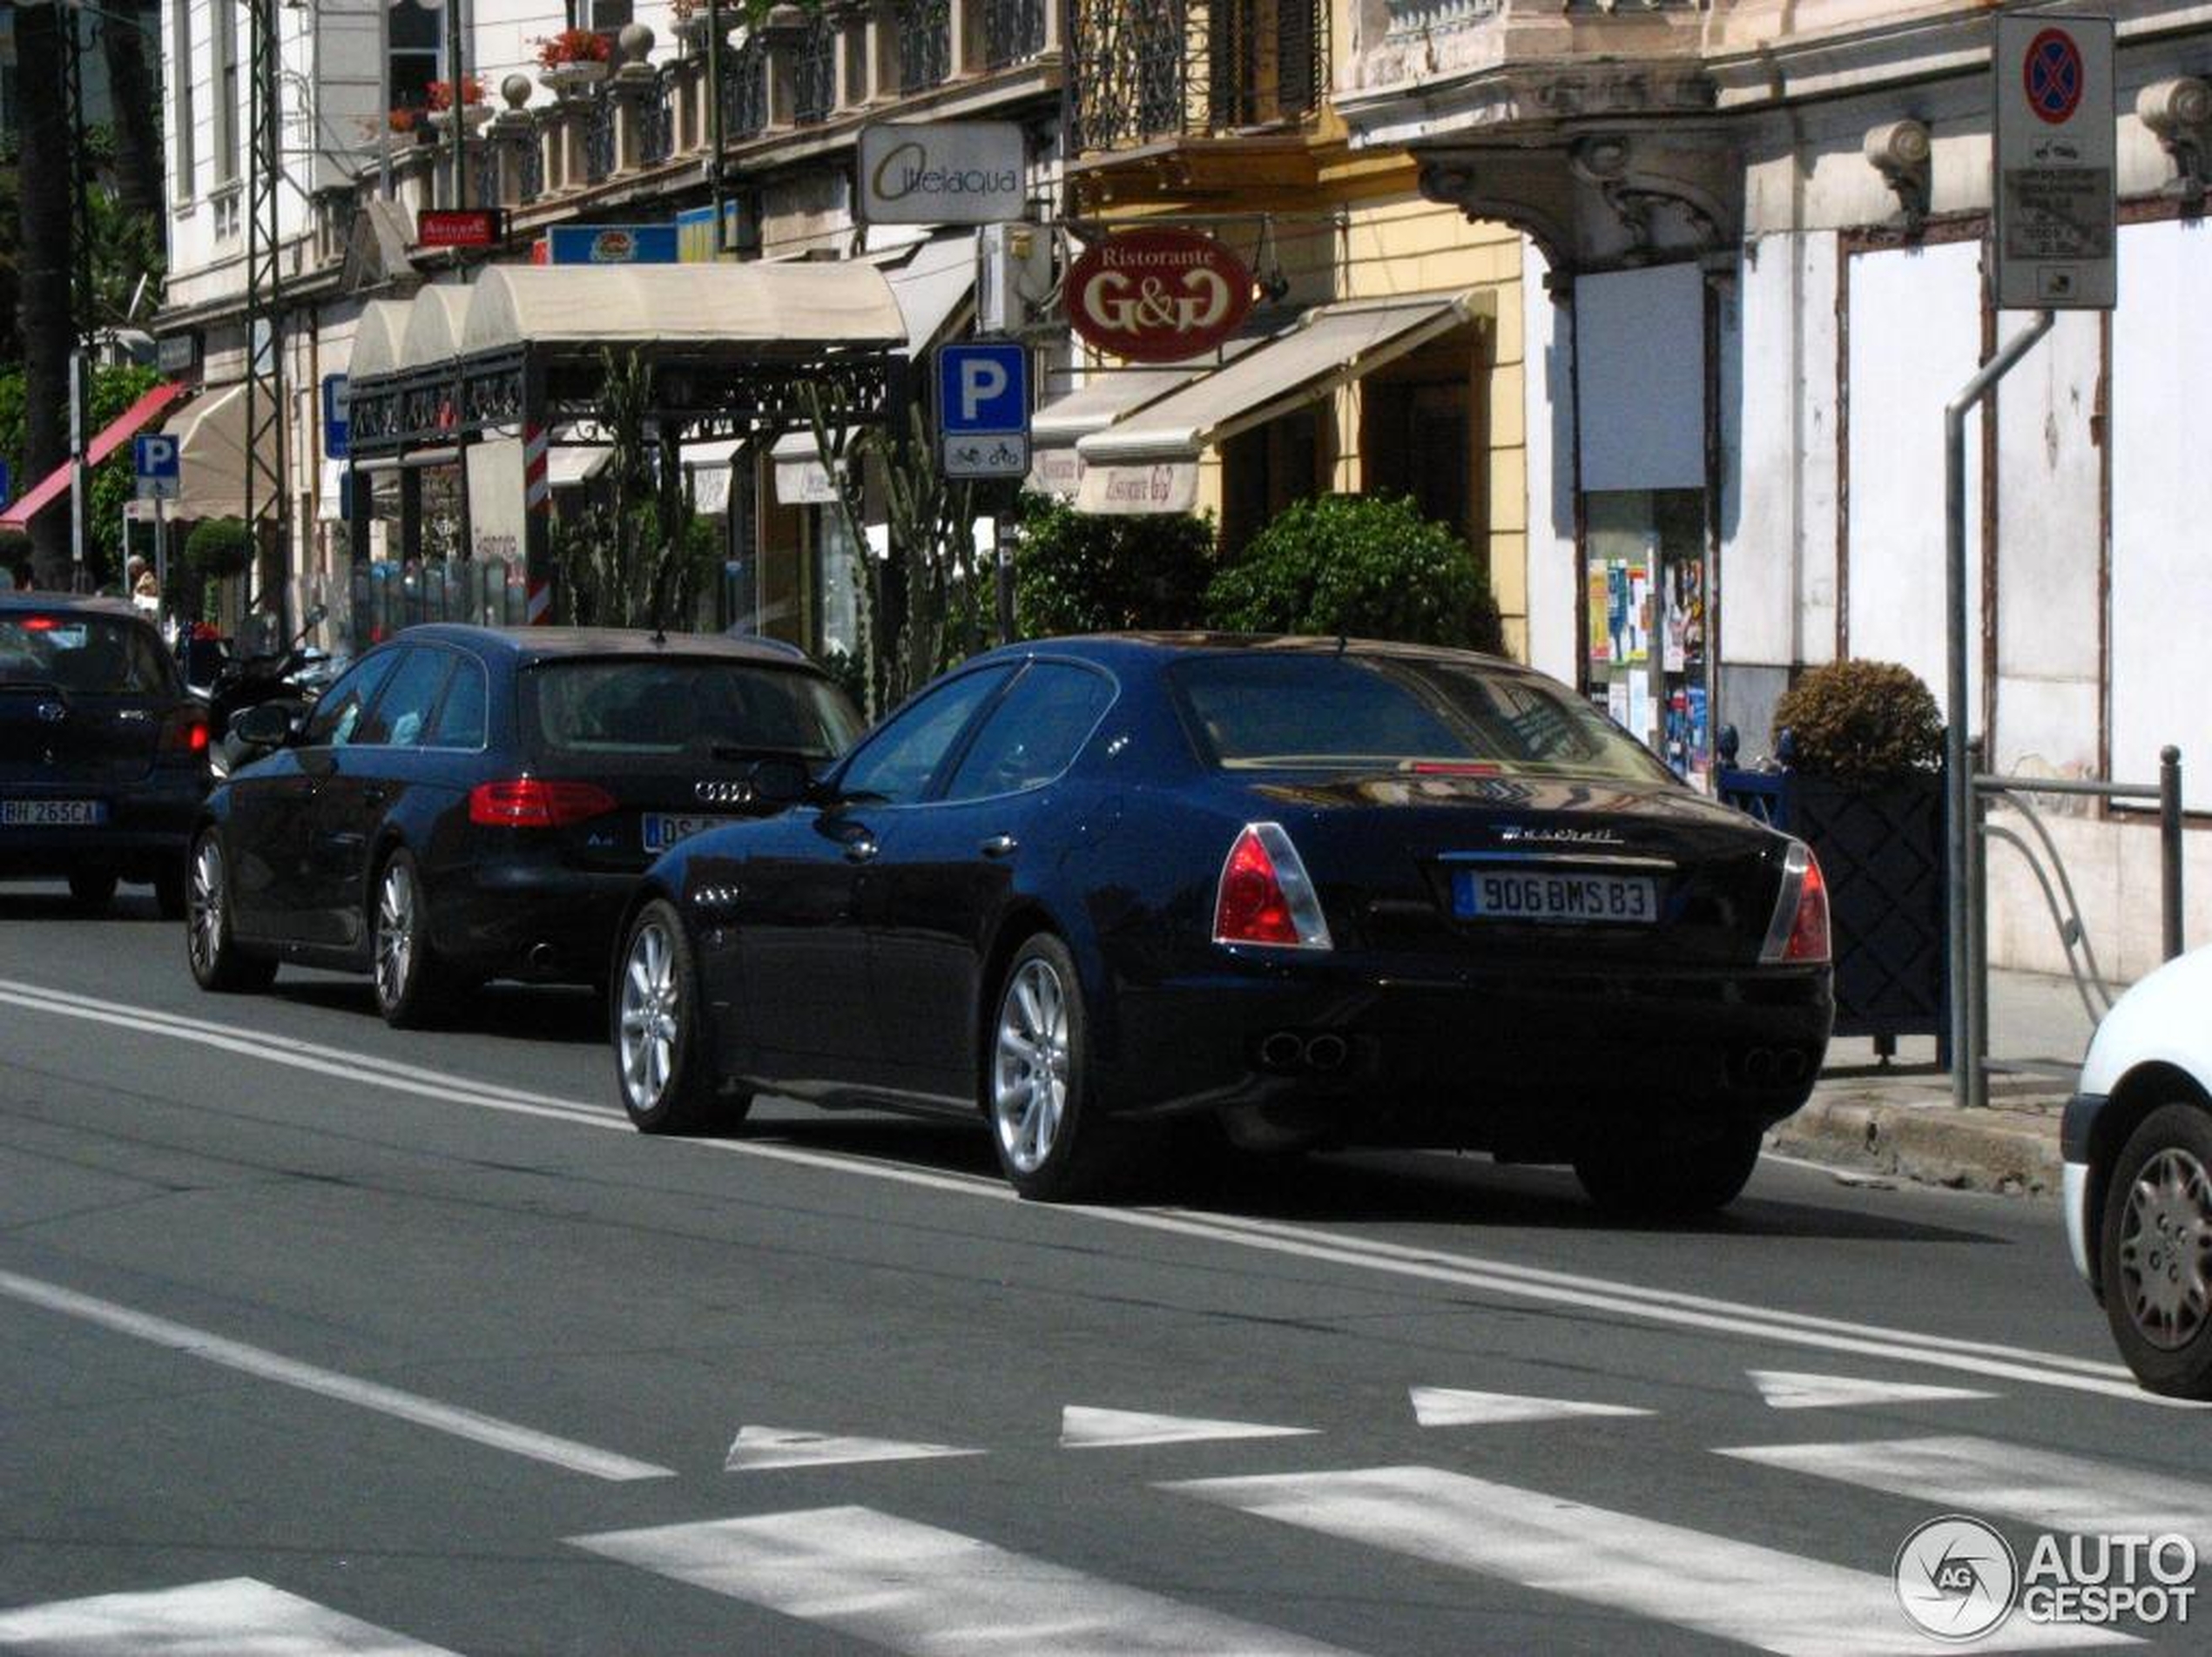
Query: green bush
[
  {"x": 218, "y": 547},
  {"x": 1077, "y": 573},
  {"x": 1859, "y": 721},
  {"x": 1361, "y": 566}
]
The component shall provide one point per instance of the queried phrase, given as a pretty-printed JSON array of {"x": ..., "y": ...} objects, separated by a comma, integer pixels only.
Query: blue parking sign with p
[
  {"x": 154, "y": 461},
  {"x": 983, "y": 388}
]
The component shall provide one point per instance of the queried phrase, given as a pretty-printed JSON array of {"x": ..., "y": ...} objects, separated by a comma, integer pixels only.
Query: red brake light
[
  {"x": 1809, "y": 930},
  {"x": 39, "y": 624},
  {"x": 1798, "y": 931},
  {"x": 1264, "y": 896},
  {"x": 532, "y": 802},
  {"x": 186, "y": 733}
]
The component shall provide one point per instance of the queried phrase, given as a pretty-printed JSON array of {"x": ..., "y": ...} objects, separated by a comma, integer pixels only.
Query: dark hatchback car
[
  {"x": 103, "y": 752},
  {"x": 1319, "y": 894},
  {"x": 469, "y": 803}
]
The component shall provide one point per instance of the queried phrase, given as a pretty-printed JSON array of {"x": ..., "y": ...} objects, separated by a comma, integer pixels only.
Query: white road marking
[
  {"x": 367, "y": 1395},
  {"x": 757, "y": 1449},
  {"x": 237, "y": 1618},
  {"x": 914, "y": 1588},
  {"x": 1083, "y": 1428},
  {"x": 1610, "y": 1297},
  {"x": 2059, "y": 1492},
  {"x": 1795, "y": 1390},
  {"x": 1444, "y": 1406},
  {"x": 1759, "y": 1596}
]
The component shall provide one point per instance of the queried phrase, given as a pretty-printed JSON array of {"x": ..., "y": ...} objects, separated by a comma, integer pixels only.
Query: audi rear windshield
[
  {"x": 630, "y": 709},
  {"x": 1279, "y": 712},
  {"x": 83, "y": 655}
]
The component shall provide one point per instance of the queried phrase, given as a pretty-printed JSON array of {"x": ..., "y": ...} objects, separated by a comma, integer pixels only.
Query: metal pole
[
  {"x": 161, "y": 552},
  {"x": 1976, "y": 930},
  {"x": 714, "y": 123},
  {"x": 457, "y": 111},
  {"x": 80, "y": 479},
  {"x": 384, "y": 96},
  {"x": 2169, "y": 849},
  {"x": 1958, "y": 783}
]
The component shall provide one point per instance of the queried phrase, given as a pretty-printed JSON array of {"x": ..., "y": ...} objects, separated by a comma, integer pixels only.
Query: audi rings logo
[
  {"x": 1956, "y": 1578},
  {"x": 722, "y": 793}
]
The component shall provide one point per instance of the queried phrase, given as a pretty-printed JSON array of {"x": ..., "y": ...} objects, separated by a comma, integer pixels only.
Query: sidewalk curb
[{"x": 2014, "y": 1152}]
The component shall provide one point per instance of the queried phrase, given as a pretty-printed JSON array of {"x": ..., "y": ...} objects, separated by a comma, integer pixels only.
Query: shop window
[
  {"x": 1415, "y": 440},
  {"x": 837, "y": 577},
  {"x": 606, "y": 16},
  {"x": 1645, "y": 626},
  {"x": 1264, "y": 470}
]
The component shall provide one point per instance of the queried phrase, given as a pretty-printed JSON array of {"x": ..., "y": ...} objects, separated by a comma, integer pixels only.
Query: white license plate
[
  {"x": 664, "y": 829},
  {"x": 1519, "y": 895},
  {"x": 52, "y": 813}
]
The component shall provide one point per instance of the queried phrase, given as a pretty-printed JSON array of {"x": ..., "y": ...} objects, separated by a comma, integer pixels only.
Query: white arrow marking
[
  {"x": 237, "y": 1616},
  {"x": 1086, "y": 1429},
  {"x": 1794, "y": 1390},
  {"x": 756, "y": 1448},
  {"x": 1443, "y": 1406}
]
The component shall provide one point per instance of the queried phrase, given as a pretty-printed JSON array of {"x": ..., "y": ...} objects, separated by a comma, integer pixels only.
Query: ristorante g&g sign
[{"x": 1158, "y": 295}]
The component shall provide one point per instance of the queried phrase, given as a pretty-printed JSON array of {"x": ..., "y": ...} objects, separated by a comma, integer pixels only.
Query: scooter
[{"x": 292, "y": 674}]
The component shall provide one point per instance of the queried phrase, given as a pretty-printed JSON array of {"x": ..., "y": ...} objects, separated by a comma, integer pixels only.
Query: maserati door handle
[
  {"x": 1000, "y": 846},
  {"x": 860, "y": 851}
]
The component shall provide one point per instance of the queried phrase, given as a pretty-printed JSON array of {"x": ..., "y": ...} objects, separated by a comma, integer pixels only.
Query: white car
[{"x": 2138, "y": 1145}]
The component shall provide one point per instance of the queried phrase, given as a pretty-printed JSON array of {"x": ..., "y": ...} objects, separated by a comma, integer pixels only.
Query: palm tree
[{"x": 42, "y": 256}]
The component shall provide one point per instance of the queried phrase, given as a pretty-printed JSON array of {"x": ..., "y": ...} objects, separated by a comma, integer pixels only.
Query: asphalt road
[{"x": 319, "y": 1338}]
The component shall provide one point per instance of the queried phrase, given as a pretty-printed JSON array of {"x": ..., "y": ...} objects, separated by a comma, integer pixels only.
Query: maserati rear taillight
[
  {"x": 1798, "y": 931},
  {"x": 531, "y": 802},
  {"x": 1264, "y": 896},
  {"x": 186, "y": 733}
]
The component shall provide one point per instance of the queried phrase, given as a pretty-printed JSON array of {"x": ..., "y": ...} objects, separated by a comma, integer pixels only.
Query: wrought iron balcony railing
[
  {"x": 744, "y": 91},
  {"x": 599, "y": 137},
  {"x": 656, "y": 122},
  {"x": 814, "y": 76},
  {"x": 1013, "y": 30},
  {"x": 925, "y": 43},
  {"x": 1147, "y": 69}
]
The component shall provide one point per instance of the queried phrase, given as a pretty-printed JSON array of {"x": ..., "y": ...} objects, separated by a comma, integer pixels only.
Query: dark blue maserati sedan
[{"x": 1318, "y": 893}]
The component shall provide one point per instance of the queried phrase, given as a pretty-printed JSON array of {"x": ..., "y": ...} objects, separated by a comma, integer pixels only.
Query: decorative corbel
[
  {"x": 2179, "y": 114},
  {"x": 1903, "y": 153}
]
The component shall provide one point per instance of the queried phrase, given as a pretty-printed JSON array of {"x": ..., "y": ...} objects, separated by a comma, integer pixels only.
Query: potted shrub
[
  {"x": 1362, "y": 566},
  {"x": 1076, "y": 572},
  {"x": 219, "y": 549},
  {"x": 574, "y": 59},
  {"x": 1862, "y": 745}
]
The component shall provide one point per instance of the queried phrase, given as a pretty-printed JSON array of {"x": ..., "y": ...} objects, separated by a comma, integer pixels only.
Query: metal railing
[
  {"x": 599, "y": 137},
  {"x": 925, "y": 43},
  {"x": 656, "y": 122},
  {"x": 1145, "y": 70},
  {"x": 2048, "y": 865},
  {"x": 1013, "y": 30},
  {"x": 813, "y": 73},
  {"x": 744, "y": 89}
]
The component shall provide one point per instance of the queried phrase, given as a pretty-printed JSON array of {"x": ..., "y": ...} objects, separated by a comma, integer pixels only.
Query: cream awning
[
  {"x": 434, "y": 324},
  {"x": 376, "y": 338},
  {"x": 1329, "y": 346},
  {"x": 1110, "y": 394},
  {"x": 799, "y": 304},
  {"x": 933, "y": 286},
  {"x": 211, "y": 460}
]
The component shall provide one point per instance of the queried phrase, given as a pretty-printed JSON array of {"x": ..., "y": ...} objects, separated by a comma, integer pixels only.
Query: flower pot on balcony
[{"x": 574, "y": 79}]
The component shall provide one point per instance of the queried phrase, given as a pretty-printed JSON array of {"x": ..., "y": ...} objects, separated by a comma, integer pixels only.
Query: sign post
[
  {"x": 2055, "y": 234},
  {"x": 158, "y": 476},
  {"x": 983, "y": 408}
]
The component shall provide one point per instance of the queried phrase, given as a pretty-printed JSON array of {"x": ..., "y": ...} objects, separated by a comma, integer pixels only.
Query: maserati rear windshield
[
  {"x": 1263, "y": 711},
  {"x": 688, "y": 708}
]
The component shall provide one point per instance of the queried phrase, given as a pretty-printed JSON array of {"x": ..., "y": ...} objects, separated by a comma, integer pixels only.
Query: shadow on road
[
  {"x": 1469, "y": 1192},
  {"x": 53, "y": 903},
  {"x": 566, "y": 1016}
]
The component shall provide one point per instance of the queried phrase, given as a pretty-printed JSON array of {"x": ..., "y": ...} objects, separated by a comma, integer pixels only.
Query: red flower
[
  {"x": 472, "y": 91},
  {"x": 574, "y": 46}
]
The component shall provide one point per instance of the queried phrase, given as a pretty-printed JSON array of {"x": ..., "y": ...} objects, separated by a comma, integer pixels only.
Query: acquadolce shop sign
[
  {"x": 1158, "y": 295},
  {"x": 942, "y": 173}
]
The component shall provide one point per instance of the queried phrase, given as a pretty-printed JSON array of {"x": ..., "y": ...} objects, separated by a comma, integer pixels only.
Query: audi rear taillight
[
  {"x": 1264, "y": 896},
  {"x": 1799, "y": 929},
  {"x": 532, "y": 802},
  {"x": 186, "y": 733}
]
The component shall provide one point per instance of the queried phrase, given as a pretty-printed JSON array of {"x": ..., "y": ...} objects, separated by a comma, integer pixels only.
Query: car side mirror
[
  {"x": 268, "y": 724},
  {"x": 780, "y": 781}
]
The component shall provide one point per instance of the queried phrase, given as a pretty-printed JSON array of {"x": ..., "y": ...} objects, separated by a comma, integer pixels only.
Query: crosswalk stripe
[
  {"x": 758, "y": 1449},
  {"x": 1796, "y": 1390},
  {"x": 1085, "y": 1428},
  {"x": 237, "y": 1617},
  {"x": 2059, "y": 1492},
  {"x": 1444, "y": 1406},
  {"x": 1759, "y": 1596},
  {"x": 914, "y": 1588}
]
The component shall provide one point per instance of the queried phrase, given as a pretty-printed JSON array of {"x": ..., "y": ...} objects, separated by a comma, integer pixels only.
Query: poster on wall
[
  {"x": 1685, "y": 650},
  {"x": 1601, "y": 609}
]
